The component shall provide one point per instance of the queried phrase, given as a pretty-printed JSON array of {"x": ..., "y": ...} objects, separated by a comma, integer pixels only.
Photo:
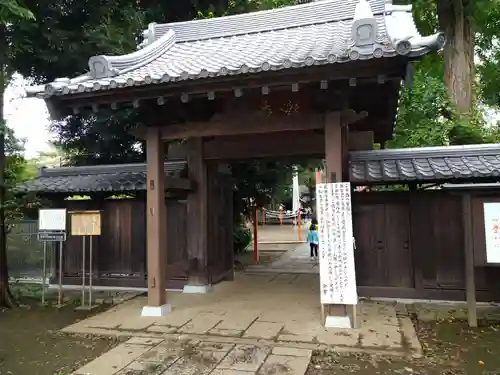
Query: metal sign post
[
  {"x": 52, "y": 228},
  {"x": 59, "y": 291},
  {"x": 86, "y": 223}
]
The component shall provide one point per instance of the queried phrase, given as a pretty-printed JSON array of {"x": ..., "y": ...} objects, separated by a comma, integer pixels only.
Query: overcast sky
[{"x": 28, "y": 118}]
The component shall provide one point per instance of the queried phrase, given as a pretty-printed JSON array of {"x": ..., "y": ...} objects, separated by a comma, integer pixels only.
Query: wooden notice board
[{"x": 85, "y": 223}]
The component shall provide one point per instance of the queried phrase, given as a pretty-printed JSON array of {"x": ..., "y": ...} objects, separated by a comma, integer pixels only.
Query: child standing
[{"x": 313, "y": 240}]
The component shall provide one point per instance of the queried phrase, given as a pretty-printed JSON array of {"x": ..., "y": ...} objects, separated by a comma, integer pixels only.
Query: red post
[
  {"x": 318, "y": 177},
  {"x": 256, "y": 237}
]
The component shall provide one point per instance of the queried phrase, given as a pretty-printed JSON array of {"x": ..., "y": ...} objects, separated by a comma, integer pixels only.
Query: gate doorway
[{"x": 383, "y": 254}]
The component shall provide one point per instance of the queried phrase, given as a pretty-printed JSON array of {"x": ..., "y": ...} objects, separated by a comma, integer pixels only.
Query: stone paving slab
[
  {"x": 114, "y": 360},
  {"x": 264, "y": 319},
  {"x": 264, "y": 308},
  {"x": 245, "y": 358},
  {"x": 264, "y": 330},
  {"x": 200, "y": 362},
  {"x": 231, "y": 372},
  {"x": 280, "y": 364},
  {"x": 201, "y": 323}
]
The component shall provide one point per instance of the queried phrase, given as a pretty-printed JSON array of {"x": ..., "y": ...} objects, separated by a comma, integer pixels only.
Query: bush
[{"x": 241, "y": 238}]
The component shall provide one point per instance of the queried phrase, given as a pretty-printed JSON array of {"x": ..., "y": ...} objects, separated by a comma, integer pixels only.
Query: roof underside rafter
[{"x": 318, "y": 33}]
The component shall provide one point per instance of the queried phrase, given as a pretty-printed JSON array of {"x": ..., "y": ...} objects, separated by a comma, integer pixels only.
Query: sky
[{"x": 28, "y": 117}]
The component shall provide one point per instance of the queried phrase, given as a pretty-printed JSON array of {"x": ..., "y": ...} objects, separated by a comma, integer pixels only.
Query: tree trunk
[
  {"x": 6, "y": 299},
  {"x": 458, "y": 52}
]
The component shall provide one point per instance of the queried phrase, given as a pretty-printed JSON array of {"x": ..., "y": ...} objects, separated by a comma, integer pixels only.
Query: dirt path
[
  {"x": 451, "y": 348},
  {"x": 30, "y": 341}
]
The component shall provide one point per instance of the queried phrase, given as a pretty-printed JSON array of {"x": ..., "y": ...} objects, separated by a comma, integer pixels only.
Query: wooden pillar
[
  {"x": 156, "y": 219},
  {"x": 336, "y": 147},
  {"x": 333, "y": 147},
  {"x": 470, "y": 283},
  {"x": 197, "y": 211}
]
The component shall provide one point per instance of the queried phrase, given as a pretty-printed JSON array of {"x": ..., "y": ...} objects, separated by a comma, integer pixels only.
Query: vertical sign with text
[{"x": 336, "y": 245}]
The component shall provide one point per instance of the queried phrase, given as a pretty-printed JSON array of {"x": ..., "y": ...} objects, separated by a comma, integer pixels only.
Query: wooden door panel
[
  {"x": 368, "y": 223},
  {"x": 397, "y": 246}
]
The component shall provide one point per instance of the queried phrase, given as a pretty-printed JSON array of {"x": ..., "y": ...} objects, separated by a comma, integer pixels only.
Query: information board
[
  {"x": 336, "y": 244},
  {"x": 86, "y": 223},
  {"x": 52, "y": 219},
  {"x": 492, "y": 231}
]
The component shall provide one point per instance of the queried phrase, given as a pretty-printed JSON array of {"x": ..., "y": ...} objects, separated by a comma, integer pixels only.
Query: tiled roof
[
  {"x": 317, "y": 33},
  {"x": 428, "y": 164},
  {"x": 101, "y": 178}
]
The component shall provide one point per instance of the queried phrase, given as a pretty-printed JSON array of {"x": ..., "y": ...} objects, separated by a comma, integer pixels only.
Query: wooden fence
[
  {"x": 119, "y": 253},
  {"x": 411, "y": 245}
]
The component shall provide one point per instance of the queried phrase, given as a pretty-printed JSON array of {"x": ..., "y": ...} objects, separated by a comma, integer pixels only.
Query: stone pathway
[
  {"x": 154, "y": 356},
  {"x": 265, "y": 316},
  {"x": 296, "y": 260}
]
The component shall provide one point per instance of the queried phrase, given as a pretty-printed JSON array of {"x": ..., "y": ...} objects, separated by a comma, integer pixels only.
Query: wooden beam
[
  {"x": 197, "y": 215},
  {"x": 156, "y": 220},
  {"x": 362, "y": 140},
  {"x": 333, "y": 147},
  {"x": 239, "y": 123},
  {"x": 249, "y": 122},
  {"x": 350, "y": 116},
  {"x": 176, "y": 183},
  {"x": 470, "y": 282},
  {"x": 274, "y": 145},
  {"x": 177, "y": 151}
]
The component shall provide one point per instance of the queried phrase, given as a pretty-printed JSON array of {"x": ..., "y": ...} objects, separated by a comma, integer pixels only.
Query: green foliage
[
  {"x": 242, "y": 236},
  {"x": 16, "y": 171},
  {"x": 426, "y": 116},
  {"x": 13, "y": 10},
  {"x": 420, "y": 118}
]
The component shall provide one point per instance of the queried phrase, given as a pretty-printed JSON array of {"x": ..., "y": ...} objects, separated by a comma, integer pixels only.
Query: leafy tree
[
  {"x": 444, "y": 105},
  {"x": 53, "y": 48},
  {"x": 11, "y": 11}
]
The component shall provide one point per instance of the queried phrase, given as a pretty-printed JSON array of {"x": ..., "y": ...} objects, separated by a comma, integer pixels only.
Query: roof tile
[
  {"x": 322, "y": 32},
  {"x": 427, "y": 164},
  {"x": 102, "y": 178}
]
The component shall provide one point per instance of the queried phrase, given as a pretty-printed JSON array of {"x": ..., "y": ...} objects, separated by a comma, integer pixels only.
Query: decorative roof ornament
[
  {"x": 148, "y": 35},
  {"x": 111, "y": 66},
  {"x": 314, "y": 33},
  {"x": 364, "y": 27}
]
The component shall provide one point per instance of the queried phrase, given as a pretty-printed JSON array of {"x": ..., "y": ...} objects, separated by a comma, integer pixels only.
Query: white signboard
[
  {"x": 492, "y": 231},
  {"x": 52, "y": 219},
  {"x": 336, "y": 244}
]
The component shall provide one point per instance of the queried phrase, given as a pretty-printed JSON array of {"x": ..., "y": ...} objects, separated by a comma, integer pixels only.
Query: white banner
[
  {"x": 52, "y": 219},
  {"x": 336, "y": 244},
  {"x": 492, "y": 231}
]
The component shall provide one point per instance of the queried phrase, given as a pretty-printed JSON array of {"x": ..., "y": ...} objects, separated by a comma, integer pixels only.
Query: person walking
[{"x": 313, "y": 239}]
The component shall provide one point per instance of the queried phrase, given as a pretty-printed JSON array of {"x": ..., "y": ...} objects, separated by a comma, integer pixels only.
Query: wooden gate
[{"x": 383, "y": 254}]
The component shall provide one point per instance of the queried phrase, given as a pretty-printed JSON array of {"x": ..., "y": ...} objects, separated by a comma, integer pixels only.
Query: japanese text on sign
[
  {"x": 492, "y": 231},
  {"x": 336, "y": 247},
  {"x": 86, "y": 223}
]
